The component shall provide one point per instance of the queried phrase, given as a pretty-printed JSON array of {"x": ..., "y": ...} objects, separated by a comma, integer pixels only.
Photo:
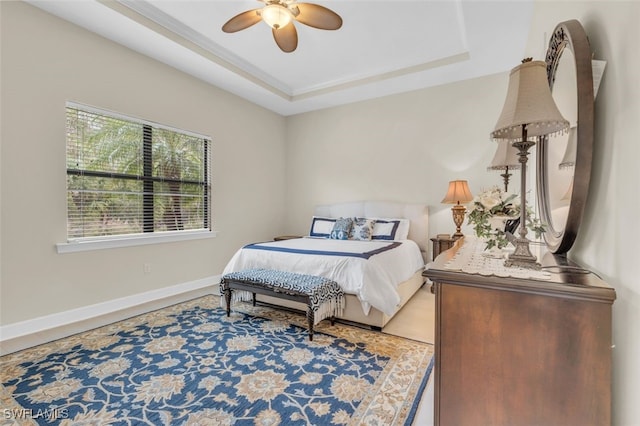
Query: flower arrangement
[{"x": 497, "y": 204}]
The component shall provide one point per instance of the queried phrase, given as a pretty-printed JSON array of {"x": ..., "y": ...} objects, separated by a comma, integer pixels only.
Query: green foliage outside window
[{"x": 128, "y": 177}]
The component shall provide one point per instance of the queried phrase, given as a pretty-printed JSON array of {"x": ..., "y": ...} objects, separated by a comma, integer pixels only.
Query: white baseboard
[{"x": 24, "y": 334}]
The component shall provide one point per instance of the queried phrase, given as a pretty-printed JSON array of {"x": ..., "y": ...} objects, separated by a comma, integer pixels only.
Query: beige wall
[
  {"x": 607, "y": 240},
  {"x": 403, "y": 148},
  {"x": 46, "y": 62}
]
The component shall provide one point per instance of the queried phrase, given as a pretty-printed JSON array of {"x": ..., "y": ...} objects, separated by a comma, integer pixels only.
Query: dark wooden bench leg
[
  {"x": 276, "y": 292},
  {"x": 227, "y": 298},
  {"x": 310, "y": 320}
]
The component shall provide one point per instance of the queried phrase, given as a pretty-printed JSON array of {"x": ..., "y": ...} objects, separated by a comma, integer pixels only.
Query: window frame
[{"x": 149, "y": 235}]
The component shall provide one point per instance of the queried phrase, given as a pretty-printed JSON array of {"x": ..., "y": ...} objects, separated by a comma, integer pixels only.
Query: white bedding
[{"x": 374, "y": 280}]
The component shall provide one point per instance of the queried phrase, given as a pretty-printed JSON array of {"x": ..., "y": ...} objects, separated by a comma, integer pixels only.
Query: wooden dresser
[{"x": 519, "y": 351}]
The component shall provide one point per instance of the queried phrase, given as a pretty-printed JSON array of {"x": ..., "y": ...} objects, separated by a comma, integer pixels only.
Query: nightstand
[{"x": 442, "y": 242}]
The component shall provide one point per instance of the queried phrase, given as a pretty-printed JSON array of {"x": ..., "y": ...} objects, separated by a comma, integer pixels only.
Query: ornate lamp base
[
  {"x": 522, "y": 257},
  {"x": 458, "y": 218}
]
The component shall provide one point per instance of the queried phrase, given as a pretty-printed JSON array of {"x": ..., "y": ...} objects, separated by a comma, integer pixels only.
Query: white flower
[
  {"x": 489, "y": 199},
  {"x": 489, "y": 212}
]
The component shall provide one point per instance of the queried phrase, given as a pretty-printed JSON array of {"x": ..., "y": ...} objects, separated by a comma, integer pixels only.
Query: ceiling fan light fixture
[
  {"x": 276, "y": 16},
  {"x": 279, "y": 15}
]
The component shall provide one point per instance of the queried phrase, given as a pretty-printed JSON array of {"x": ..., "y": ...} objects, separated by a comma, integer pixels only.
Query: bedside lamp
[
  {"x": 505, "y": 158},
  {"x": 458, "y": 193},
  {"x": 529, "y": 110}
]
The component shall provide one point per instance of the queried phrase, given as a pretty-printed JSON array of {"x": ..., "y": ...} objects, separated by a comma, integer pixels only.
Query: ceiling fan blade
[
  {"x": 286, "y": 37},
  {"x": 241, "y": 21},
  {"x": 317, "y": 16}
]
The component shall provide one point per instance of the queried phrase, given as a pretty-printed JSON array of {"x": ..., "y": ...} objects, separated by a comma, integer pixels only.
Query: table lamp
[
  {"x": 505, "y": 158},
  {"x": 458, "y": 193},
  {"x": 529, "y": 111}
]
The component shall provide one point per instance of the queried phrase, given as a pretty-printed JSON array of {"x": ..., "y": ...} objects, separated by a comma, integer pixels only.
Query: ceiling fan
[{"x": 280, "y": 14}]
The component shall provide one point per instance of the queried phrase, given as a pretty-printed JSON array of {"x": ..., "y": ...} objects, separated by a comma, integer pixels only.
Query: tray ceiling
[{"x": 384, "y": 47}]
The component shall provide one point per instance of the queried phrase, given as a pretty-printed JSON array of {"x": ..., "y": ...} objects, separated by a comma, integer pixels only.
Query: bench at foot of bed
[{"x": 324, "y": 298}]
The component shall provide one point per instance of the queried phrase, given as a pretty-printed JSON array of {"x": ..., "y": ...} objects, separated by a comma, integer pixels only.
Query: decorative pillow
[
  {"x": 341, "y": 229},
  {"x": 403, "y": 229},
  {"x": 385, "y": 229},
  {"x": 391, "y": 229},
  {"x": 321, "y": 226},
  {"x": 362, "y": 228}
]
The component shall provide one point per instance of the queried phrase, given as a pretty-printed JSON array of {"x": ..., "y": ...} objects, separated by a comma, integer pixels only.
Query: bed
[{"x": 378, "y": 275}]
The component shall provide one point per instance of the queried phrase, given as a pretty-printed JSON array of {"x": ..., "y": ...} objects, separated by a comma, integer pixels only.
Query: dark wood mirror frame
[{"x": 569, "y": 35}]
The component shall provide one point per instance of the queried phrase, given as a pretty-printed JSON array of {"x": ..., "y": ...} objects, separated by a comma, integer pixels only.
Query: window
[{"x": 127, "y": 176}]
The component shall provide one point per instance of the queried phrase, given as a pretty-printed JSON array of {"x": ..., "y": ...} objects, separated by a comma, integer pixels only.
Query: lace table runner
[{"x": 471, "y": 258}]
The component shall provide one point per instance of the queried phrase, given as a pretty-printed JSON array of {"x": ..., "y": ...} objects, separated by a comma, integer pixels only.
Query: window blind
[{"x": 127, "y": 176}]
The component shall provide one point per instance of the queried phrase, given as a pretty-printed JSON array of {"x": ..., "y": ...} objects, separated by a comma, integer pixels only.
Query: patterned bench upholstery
[{"x": 324, "y": 298}]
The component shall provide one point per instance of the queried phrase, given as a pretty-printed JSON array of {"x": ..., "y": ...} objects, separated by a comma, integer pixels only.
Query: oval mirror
[{"x": 564, "y": 160}]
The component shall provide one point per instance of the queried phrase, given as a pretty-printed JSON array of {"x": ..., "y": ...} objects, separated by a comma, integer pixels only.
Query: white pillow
[
  {"x": 403, "y": 229},
  {"x": 321, "y": 226},
  {"x": 390, "y": 229}
]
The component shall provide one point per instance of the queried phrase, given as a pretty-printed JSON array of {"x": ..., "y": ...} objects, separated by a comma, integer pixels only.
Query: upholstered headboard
[{"x": 418, "y": 215}]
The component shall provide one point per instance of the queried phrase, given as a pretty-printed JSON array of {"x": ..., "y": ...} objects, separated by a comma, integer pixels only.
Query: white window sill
[{"x": 132, "y": 240}]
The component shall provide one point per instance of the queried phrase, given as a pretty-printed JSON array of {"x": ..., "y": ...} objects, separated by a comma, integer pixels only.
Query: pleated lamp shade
[
  {"x": 506, "y": 156},
  {"x": 529, "y": 103},
  {"x": 458, "y": 193}
]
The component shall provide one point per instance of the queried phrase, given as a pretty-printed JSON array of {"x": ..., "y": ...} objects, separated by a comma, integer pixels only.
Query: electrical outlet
[{"x": 146, "y": 268}]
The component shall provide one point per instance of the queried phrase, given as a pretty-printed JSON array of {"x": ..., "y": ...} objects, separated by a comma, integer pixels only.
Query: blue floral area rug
[{"x": 189, "y": 364}]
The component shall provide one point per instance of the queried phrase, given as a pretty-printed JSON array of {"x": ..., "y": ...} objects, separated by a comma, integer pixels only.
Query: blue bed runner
[{"x": 363, "y": 255}]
